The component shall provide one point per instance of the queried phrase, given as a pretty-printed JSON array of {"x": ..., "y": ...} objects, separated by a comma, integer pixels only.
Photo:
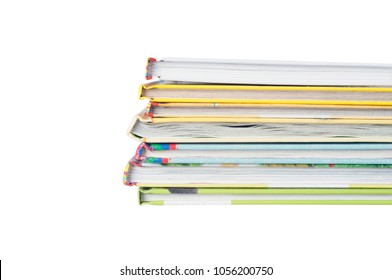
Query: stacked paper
[{"x": 254, "y": 132}]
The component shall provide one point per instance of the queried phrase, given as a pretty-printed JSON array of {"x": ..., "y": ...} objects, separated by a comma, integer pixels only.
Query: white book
[{"x": 228, "y": 71}]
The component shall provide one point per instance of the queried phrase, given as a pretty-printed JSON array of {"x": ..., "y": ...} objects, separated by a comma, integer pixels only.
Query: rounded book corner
[{"x": 127, "y": 180}]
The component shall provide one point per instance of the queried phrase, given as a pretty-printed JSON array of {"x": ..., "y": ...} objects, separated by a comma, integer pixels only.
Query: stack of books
[{"x": 257, "y": 132}]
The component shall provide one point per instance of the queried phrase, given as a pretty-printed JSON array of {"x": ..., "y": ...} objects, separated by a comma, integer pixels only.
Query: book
[
  {"x": 256, "y": 176},
  {"x": 221, "y": 112},
  {"x": 144, "y": 129},
  {"x": 257, "y": 196},
  {"x": 336, "y": 154},
  {"x": 213, "y": 94},
  {"x": 230, "y": 71}
]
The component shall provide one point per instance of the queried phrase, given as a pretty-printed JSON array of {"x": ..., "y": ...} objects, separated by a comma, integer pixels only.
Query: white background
[{"x": 70, "y": 72}]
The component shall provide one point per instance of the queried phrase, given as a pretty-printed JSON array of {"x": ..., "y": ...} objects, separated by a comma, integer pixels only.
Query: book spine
[
  {"x": 150, "y": 110},
  {"x": 126, "y": 177},
  {"x": 127, "y": 180},
  {"x": 148, "y": 74},
  {"x": 163, "y": 147},
  {"x": 157, "y": 160},
  {"x": 139, "y": 154}
]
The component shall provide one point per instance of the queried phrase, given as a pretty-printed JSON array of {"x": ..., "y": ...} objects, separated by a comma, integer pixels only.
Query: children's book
[
  {"x": 257, "y": 175},
  {"x": 230, "y": 71},
  {"x": 215, "y": 94},
  {"x": 243, "y": 196},
  {"x": 336, "y": 154},
  {"x": 273, "y": 130}
]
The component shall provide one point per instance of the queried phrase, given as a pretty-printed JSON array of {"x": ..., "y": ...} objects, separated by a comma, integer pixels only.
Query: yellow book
[
  {"x": 267, "y": 113},
  {"x": 256, "y": 94}
]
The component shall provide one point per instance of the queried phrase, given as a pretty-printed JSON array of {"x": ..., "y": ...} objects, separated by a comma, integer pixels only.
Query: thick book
[
  {"x": 263, "y": 113},
  {"x": 257, "y": 196},
  {"x": 257, "y": 175},
  {"x": 274, "y": 94},
  {"x": 294, "y": 153},
  {"x": 230, "y": 71},
  {"x": 184, "y": 130}
]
